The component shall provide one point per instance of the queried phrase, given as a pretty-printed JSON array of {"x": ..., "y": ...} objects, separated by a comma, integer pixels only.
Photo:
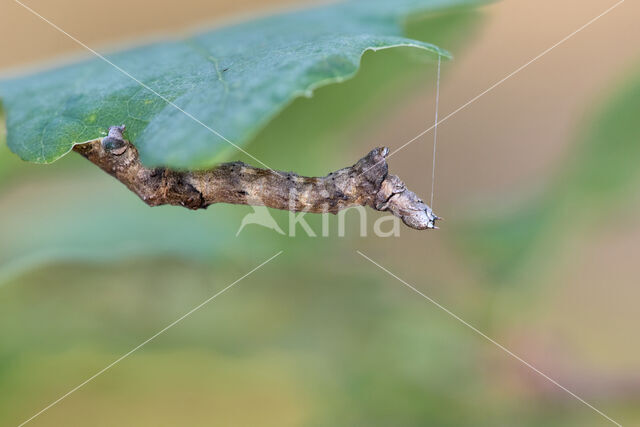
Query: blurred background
[{"x": 538, "y": 181}]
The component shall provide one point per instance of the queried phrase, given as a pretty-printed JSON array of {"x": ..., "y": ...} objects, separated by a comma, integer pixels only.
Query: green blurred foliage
[
  {"x": 603, "y": 171},
  {"x": 600, "y": 176},
  {"x": 7, "y": 161},
  {"x": 316, "y": 344}
]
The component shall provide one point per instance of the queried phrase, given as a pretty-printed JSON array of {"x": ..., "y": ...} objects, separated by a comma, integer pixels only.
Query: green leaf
[{"x": 233, "y": 80}]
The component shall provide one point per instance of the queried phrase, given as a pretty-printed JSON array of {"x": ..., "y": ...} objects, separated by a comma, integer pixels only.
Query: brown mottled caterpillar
[{"x": 366, "y": 183}]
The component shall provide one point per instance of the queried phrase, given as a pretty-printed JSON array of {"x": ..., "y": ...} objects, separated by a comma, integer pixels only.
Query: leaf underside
[{"x": 232, "y": 80}]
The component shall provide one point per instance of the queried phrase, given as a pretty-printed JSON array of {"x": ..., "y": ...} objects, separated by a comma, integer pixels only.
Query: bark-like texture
[{"x": 367, "y": 183}]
